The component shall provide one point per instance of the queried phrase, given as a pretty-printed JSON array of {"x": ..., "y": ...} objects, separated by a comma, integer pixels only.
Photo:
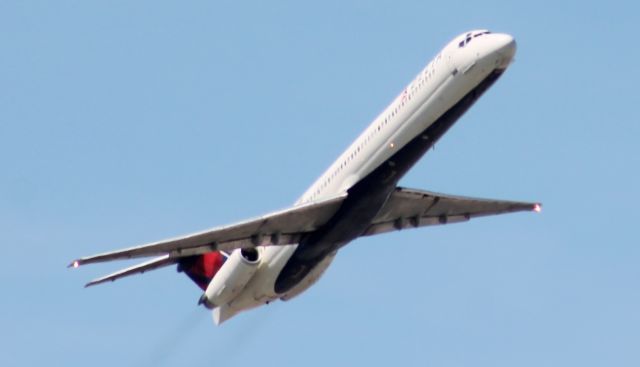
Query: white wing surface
[
  {"x": 409, "y": 208},
  {"x": 406, "y": 208},
  {"x": 279, "y": 228}
]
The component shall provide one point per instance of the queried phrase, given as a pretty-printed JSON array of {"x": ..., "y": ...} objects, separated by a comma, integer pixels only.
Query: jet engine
[{"x": 232, "y": 277}]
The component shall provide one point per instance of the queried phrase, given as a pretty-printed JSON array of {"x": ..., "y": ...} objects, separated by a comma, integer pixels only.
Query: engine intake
[{"x": 250, "y": 254}]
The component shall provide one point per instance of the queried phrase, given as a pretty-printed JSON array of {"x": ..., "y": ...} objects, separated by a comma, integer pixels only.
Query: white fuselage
[{"x": 453, "y": 73}]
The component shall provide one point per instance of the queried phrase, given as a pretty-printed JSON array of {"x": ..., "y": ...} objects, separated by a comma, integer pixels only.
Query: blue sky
[{"x": 126, "y": 122}]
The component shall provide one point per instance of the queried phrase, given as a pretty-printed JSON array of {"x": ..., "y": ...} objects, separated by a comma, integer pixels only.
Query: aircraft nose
[{"x": 504, "y": 46}]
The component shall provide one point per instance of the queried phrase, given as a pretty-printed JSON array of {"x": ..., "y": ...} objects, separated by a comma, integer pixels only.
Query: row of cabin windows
[{"x": 370, "y": 136}]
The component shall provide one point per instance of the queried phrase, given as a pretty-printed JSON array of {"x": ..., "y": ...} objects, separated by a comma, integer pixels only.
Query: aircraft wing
[
  {"x": 409, "y": 208},
  {"x": 279, "y": 228}
]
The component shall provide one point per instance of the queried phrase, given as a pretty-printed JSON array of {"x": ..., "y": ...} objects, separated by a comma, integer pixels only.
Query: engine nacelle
[{"x": 232, "y": 277}]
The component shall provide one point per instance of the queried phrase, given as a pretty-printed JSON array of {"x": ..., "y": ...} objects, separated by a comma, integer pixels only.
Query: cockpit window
[{"x": 469, "y": 37}]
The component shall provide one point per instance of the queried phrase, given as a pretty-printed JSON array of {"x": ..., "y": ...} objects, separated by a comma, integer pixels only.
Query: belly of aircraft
[
  {"x": 292, "y": 269},
  {"x": 368, "y": 196}
]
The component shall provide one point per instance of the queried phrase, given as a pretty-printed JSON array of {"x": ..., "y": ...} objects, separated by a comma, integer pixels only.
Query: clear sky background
[{"x": 125, "y": 122}]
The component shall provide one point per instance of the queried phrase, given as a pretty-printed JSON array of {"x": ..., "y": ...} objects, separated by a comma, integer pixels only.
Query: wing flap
[
  {"x": 409, "y": 208},
  {"x": 278, "y": 228}
]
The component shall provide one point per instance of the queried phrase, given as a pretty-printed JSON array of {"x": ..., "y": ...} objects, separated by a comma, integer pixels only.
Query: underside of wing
[
  {"x": 278, "y": 228},
  {"x": 409, "y": 208}
]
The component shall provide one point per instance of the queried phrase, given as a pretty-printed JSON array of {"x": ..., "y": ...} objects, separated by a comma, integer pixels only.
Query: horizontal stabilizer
[
  {"x": 152, "y": 264},
  {"x": 409, "y": 208}
]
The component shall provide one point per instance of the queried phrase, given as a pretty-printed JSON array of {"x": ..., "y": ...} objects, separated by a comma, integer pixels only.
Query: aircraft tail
[{"x": 202, "y": 268}]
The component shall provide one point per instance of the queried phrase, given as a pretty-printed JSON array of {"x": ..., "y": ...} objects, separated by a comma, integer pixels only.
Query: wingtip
[
  {"x": 537, "y": 207},
  {"x": 74, "y": 264},
  {"x": 94, "y": 282}
]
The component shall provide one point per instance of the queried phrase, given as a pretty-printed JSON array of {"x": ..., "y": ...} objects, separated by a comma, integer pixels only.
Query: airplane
[{"x": 281, "y": 254}]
